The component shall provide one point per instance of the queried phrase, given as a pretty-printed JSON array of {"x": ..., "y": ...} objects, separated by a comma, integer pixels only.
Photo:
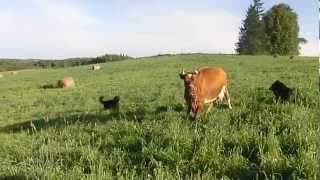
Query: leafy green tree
[
  {"x": 252, "y": 37},
  {"x": 282, "y": 29}
]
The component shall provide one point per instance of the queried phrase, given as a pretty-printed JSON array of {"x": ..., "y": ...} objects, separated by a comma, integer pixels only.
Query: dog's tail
[{"x": 101, "y": 99}]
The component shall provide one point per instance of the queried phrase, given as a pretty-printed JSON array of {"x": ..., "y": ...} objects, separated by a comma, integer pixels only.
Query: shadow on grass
[
  {"x": 179, "y": 107},
  {"x": 57, "y": 122},
  {"x": 35, "y": 125},
  {"x": 49, "y": 86},
  {"x": 250, "y": 150},
  {"x": 14, "y": 177},
  {"x": 138, "y": 115},
  {"x": 221, "y": 106},
  {"x": 173, "y": 107}
]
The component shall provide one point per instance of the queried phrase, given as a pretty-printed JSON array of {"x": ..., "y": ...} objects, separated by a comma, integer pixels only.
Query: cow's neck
[{"x": 191, "y": 93}]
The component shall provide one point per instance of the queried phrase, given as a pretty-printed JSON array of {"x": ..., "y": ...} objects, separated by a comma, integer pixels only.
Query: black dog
[
  {"x": 281, "y": 91},
  {"x": 110, "y": 104}
]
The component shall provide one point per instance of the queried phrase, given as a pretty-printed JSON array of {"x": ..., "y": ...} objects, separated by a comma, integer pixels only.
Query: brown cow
[{"x": 203, "y": 86}]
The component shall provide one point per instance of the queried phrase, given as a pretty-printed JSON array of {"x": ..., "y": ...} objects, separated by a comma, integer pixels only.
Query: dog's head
[
  {"x": 116, "y": 98},
  {"x": 277, "y": 86},
  {"x": 281, "y": 91}
]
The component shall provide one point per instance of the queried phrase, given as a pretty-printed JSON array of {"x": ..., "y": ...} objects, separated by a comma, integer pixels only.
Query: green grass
[{"x": 57, "y": 133}]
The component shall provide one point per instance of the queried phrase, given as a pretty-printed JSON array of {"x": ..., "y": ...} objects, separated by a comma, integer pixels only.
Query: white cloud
[
  {"x": 64, "y": 14},
  {"x": 60, "y": 30},
  {"x": 54, "y": 31},
  {"x": 180, "y": 32},
  {"x": 310, "y": 49}
]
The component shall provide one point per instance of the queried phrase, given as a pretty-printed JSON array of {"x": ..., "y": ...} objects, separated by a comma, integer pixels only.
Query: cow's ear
[{"x": 181, "y": 75}]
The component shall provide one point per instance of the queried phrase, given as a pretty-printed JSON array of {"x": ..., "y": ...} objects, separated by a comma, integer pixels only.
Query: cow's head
[{"x": 188, "y": 77}]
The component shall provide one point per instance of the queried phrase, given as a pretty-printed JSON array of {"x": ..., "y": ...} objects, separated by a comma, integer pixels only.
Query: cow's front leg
[
  {"x": 198, "y": 110},
  {"x": 189, "y": 109}
]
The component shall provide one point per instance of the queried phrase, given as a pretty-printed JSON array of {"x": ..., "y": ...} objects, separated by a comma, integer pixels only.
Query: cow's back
[{"x": 210, "y": 82}]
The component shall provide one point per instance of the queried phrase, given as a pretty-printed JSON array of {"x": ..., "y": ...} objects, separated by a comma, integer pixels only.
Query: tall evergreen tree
[
  {"x": 252, "y": 36},
  {"x": 282, "y": 29}
]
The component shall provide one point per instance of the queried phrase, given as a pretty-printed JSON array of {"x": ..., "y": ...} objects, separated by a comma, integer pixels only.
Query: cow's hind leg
[
  {"x": 210, "y": 107},
  {"x": 228, "y": 98}
]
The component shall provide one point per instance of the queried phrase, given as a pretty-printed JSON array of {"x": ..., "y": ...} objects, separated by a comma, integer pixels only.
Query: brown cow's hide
[{"x": 203, "y": 86}]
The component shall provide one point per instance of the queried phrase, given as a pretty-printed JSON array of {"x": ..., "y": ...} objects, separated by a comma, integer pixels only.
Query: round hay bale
[
  {"x": 66, "y": 82},
  {"x": 96, "y": 67}
]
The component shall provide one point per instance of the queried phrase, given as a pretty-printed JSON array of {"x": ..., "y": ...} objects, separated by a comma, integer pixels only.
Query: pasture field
[{"x": 65, "y": 134}]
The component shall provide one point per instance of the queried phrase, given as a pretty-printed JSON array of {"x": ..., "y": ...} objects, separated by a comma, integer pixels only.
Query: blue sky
[{"x": 81, "y": 28}]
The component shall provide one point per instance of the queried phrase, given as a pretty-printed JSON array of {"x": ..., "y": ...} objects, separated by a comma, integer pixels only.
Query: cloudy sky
[{"x": 81, "y": 28}]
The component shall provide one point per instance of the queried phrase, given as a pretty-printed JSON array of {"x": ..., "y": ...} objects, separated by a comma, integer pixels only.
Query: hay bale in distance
[
  {"x": 95, "y": 67},
  {"x": 66, "y": 82}
]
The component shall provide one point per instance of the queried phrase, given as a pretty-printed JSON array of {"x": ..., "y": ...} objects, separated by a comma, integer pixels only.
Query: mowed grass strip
[{"x": 64, "y": 133}]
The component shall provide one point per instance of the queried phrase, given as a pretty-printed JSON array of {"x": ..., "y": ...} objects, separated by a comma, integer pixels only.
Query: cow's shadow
[
  {"x": 36, "y": 125},
  {"x": 138, "y": 115},
  {"x": 16, "y": 177},
  {"x": 220, "y": 106},
  {"x": 172, "y": 107}
]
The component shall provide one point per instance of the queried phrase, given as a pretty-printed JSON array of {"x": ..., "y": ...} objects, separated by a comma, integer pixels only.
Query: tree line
[
  {"x": 272, "y": 32},
  {"x": 16, "y": 64}
]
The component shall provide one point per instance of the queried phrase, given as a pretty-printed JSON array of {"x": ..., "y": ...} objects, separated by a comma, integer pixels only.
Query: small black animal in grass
[
  {"x": 112, "y": 104},
  {"x": 281, "y": 91}
]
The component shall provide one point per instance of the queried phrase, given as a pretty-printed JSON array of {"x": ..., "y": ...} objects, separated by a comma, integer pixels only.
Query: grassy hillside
[{"x": 56, "y": 133}]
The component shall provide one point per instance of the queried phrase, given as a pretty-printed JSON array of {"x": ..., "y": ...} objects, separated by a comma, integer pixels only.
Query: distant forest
[{"x": 18, "y": 64}]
